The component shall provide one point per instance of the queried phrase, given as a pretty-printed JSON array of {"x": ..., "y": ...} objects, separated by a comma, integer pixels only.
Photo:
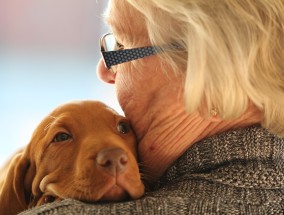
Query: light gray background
[{"x": 48, "y": 55}]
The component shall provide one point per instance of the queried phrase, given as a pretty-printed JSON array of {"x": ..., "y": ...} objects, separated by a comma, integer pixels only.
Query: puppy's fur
[{"x": 82, "y": 150}]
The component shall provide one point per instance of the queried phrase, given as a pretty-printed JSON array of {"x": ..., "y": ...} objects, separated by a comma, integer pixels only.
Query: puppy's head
[{"x": 86, "y": 151}]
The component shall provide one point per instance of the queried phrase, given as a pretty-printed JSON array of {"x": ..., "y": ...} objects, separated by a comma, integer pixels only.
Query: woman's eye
[
  {"x": 60, "y": 137},
  {"x": 123, "y": 127}
]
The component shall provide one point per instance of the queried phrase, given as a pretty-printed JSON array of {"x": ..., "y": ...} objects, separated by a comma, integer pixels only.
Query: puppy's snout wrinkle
[{"x": 114, "y": 161}]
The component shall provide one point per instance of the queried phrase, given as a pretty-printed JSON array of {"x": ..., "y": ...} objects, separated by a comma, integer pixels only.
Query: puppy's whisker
[
  {"x": 52, "y": 117},
  {"x": 147, "y": 178},
  {"x": 54, "y": 122},
  {"x": 144, "y": 173},
  {"x": 143, "y": 168},
  {"x": 142, "y": 163},
  {"x": 49, "y": 124}
]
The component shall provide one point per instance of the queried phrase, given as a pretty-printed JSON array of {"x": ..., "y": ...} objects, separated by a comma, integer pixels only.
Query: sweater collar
[{"x": 252, "y": 154}]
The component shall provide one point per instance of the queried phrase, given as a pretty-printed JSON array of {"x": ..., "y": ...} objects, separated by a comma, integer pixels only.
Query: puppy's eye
[
  {"x": 123, "y": 127},
  {"x": 62, "y": 136}
]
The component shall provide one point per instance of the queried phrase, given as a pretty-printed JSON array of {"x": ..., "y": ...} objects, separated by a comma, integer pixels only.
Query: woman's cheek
[{"x": 124, "y": 84}]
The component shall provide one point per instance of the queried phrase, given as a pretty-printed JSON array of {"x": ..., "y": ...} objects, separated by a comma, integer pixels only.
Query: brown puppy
[{"x": 82, "y": 150}]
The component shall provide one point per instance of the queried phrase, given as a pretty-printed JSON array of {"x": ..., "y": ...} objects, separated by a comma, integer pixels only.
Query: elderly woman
[{"x": 203, "y": 85}]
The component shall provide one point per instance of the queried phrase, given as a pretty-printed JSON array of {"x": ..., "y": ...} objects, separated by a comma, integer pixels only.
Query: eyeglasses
[{"x": 114, "y": 53}]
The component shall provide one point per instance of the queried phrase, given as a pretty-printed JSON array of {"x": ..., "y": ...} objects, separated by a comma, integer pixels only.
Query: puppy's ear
[
  {"x": 16, "y": 189},
  {"x": 24, "y": 174}
]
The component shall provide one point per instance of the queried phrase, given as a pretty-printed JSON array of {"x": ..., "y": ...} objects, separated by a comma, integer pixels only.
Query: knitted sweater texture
[{"x": 235, "y": 172}]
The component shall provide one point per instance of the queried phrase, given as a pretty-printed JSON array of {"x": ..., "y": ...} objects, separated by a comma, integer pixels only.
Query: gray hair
[{"x": 234, "y": 53}]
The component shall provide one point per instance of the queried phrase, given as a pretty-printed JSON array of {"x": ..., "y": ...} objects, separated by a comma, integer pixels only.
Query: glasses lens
[{"x": 109, "y": 43}]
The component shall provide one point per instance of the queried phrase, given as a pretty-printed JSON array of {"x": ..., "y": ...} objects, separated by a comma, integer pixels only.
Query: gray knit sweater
[{"x": 236, "y": 172}]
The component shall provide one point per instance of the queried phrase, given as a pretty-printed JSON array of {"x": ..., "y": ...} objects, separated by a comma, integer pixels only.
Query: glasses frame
[{"x": 126, "y": 55}]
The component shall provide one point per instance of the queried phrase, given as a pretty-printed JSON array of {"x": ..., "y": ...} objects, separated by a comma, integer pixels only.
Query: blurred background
[{"x": 49, "y": 50}]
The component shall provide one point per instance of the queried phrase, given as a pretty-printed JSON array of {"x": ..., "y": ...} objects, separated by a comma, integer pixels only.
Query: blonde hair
[{"x": 234, "y": 52}]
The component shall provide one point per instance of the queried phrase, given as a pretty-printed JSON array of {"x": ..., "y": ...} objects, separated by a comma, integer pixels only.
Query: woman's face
[{"x": 140, "y": 83}]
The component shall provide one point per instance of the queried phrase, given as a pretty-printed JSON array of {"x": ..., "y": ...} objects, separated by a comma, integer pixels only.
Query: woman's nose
[{"x": 104, "y": 74}]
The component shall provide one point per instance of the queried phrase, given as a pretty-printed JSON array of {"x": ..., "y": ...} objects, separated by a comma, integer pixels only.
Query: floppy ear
[{"x": 15, "y": 193}]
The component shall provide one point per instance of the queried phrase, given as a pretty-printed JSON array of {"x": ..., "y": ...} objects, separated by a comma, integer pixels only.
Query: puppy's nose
[{"x": 114, "y": 161}]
